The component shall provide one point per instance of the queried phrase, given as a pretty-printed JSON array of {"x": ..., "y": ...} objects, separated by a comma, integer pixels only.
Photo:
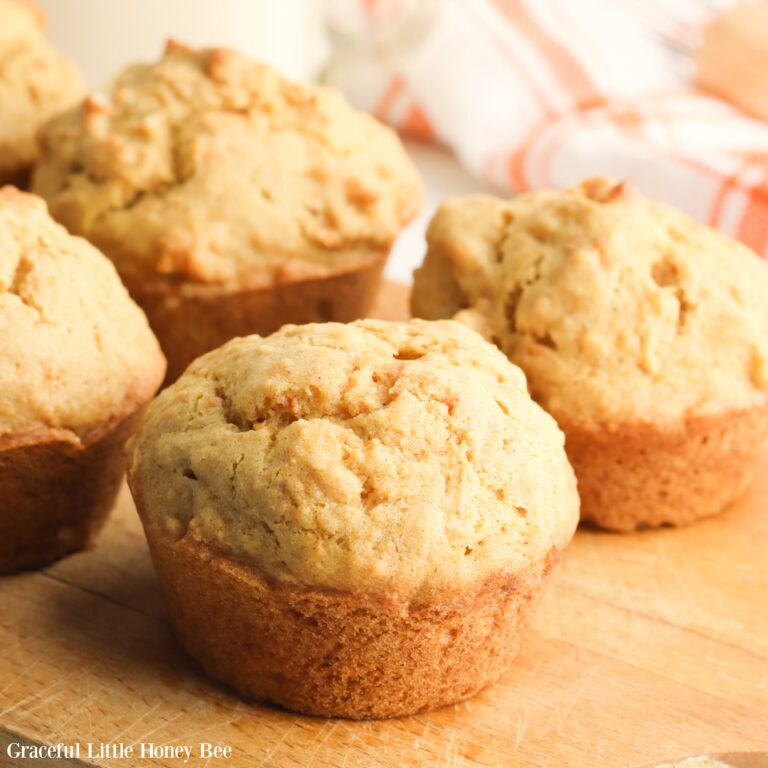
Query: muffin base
[
  {"x": 17, "y": 177},
  {"x": 57, "y": 492},
  {"x": 191, "y": 319},
  {"x": 634, "y": 477},
  {"x": 338, "y": 654}
]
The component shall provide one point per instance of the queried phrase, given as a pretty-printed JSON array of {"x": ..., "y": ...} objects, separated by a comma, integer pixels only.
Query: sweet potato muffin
[
  {"x": 77, "y": 364},
  {"x": 644, "y": 333},
  {"x": 353, "y": 520},
  {"x": 230, "y": 200},
  {"x": 36, "y": 82}
]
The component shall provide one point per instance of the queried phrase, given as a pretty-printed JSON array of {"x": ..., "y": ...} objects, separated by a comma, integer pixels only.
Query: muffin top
[
  {"x": 390, "y": 458},
  {"x": 618, "y": 309},
  {"x": 74, "y": 349},
  {"x": 36, "y": 82},
  {"x": 211, "y": 168}
]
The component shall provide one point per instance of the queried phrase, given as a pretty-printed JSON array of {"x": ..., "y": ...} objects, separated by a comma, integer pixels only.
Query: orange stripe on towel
[
  {"x": 516, "y": 163},
  {"x": 516, "y": 63},
  {"x": 417, "y": 124},
  {"x": 752, "y": 228},
  {"x": 388, "y": 98},
  {"x": 726, "y": 186},
  {"x": 379, "y": 8},
  {"x": 564, "y": 65}
]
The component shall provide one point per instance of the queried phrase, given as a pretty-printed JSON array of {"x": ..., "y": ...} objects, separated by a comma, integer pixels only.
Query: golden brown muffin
[
  {"x": 230, "y": 200},
  {"x": 78, "y": 363},
  {"x": 36, "y": 83},
  {"x": 642, "y": 332},
  {"x": 353, "y": 520}
]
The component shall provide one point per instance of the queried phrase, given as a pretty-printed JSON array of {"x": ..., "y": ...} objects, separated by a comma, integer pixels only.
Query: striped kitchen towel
[{"x": 534, "y": 93}]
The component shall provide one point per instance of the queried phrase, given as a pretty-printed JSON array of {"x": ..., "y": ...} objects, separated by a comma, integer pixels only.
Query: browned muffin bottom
[
  {"x": 191, "y": 319},
  {"x": 646, "y": 477},
  {"x": 57, "y": 492},
  {"x": 336, "y": 653},
  {"x": 78, "y": 363}
]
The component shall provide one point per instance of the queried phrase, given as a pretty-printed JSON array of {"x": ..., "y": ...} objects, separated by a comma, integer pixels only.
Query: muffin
[
  {"x": 353, "y": 520},
  {"x": 36, "y": 82},
  {"x": 230, "y": 200},
  {"x": 644, "y": 333},
  {"x": 78, "y": 363}
]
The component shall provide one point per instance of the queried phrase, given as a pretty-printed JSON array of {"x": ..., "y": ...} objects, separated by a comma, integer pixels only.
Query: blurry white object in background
[{"x": 102, "y": 36}]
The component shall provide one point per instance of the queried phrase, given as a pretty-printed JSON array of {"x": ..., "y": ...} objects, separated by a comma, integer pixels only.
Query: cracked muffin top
[
  {"x": 74, "y": 349},
  {"x": 36, "y": 82},
  {"x": 390, "y": 458},
  {"x": 211, "y": 168},
  {"x": 618, "y": 309}
]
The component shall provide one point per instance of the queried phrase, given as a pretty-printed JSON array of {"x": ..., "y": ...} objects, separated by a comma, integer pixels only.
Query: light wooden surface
[{"x": 646, "y": 647}]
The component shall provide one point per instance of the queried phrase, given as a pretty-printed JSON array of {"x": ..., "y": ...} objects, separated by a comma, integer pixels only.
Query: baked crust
[
  {"x": 36, "y": 83},
  {"x": 398, "y": 459},
  {"x": 618, "y": 309},
  {"x": 190, "y": 319},
  {"x": 75, "y": 350},
  {"x": 339, "y": 654},
  {"x": 57, "y": 491},
  {"x": 209, "y": 167},
  {"x": 632, "y": 477}
]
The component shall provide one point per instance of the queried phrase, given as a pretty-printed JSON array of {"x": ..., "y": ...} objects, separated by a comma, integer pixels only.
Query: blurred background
[{"x": 503, "y": 95}]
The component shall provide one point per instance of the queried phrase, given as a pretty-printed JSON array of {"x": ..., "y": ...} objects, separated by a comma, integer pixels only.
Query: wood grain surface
[{"x": 646, "y": 647}]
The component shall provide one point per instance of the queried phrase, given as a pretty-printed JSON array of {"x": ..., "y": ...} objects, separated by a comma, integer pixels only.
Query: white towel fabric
[{"x": 534, "y": 93}]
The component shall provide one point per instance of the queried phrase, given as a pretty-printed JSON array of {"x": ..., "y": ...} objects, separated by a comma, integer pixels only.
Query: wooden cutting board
[{"x": 646, "y": 647}]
